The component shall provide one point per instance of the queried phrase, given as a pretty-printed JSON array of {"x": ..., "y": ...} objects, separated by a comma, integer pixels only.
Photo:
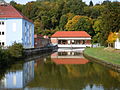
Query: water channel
[{"x": 63, "y": 70}]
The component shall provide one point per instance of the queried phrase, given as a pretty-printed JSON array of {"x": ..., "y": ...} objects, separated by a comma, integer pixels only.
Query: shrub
[{"x": 16, "y": 50}]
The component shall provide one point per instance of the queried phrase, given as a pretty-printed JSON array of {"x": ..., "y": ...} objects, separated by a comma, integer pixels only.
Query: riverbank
[
  {"x": 10, "y": 55},
  {"x": 109, "y": 58}
]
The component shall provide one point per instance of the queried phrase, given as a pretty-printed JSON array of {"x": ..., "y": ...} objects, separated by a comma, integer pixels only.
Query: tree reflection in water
[
  {"x": 49, "y": 75},
  {"x": 74, "y": 77}
]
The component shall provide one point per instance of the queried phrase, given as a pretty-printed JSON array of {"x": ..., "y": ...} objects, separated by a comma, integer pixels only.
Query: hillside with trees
[{"x": 49, "y": 16}]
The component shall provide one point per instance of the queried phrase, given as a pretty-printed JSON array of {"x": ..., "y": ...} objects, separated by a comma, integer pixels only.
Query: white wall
[
  {"x": 117, "y": 44},
  {"x": 13, "y": 31},
  {"x": 2, "y": 31}
]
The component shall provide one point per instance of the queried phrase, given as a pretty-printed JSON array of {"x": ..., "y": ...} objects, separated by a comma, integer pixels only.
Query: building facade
[
  {"x": 117, "y": 44},
  {"x": 71, "y": 39},
  {"x": 14, "y": 27},
  {"x": 41, "y": 41}
]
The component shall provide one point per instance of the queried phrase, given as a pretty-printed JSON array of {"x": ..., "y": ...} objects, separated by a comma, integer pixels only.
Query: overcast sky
[{"x": 87, "y": 1}]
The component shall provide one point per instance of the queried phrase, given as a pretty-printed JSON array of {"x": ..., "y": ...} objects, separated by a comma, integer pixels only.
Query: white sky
[{"x": 87, "y": 1}]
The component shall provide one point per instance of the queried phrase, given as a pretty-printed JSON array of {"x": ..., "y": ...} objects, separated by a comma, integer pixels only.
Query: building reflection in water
[
  {"x": 19, "y": 78},
  {"x": 68, "y": 57}
]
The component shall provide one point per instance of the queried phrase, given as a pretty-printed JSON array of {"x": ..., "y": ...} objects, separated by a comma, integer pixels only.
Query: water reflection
[
  {"x": 18, "y": 76},
  {"x": 88, "y": 76},
  {"x": 45, "y": 74},
  {"x": 68, "y": 58}
]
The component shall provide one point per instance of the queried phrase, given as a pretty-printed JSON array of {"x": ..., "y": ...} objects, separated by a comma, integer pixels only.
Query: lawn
[{"x": 102, "y": 54}]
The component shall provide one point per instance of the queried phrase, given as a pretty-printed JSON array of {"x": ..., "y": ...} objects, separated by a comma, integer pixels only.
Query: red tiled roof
[
  {"x": 8, "y": 11},
  {"x": 70, "y": 60},
  {"x": 62, "y": 34}
]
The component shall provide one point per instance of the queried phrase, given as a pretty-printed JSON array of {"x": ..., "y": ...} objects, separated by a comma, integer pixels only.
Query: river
[{"x": 59, "y": 71}]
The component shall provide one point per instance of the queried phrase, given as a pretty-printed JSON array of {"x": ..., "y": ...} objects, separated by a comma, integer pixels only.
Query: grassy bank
[{"x": 103, "y": 54}]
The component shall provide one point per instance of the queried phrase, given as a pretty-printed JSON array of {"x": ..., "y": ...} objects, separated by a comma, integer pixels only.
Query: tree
[
  {"x": 19, "y": 7},
  {"x": 63, "y": 21},
  {"x": 39, "y": 27},
  {"x": 111, "y": 38},
  {"x": 27, "y": 9},
  {"x": 80, "y": 23},
  {"x": 94, "y": 11},
  {"x": 74, "y": 6},
  {"x": 70, "y": 26},
  {"x": 91, "y": 3},
  {"x": 110, "y": 21},
  {"x": 16, "y": 50},
  {"x": 46, "y": 22},
  {"x": 97, "y": 28}
]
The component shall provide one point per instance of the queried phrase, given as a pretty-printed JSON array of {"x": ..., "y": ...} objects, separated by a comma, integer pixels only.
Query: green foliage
[
  {"x": 110, "y": 20},
  {"x": 49, "y": 15},
  {"x": 63, "y": 21},
  {"x": 16, "y": 50},
  {"x": 8, "y": 56},
  {"x": 80, "y": 23},
  {"x": 17, "y": 6},
  {"x": 97, "y": 28}
]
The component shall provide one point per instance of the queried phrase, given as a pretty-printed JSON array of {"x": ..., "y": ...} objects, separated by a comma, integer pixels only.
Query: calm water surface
[{"x": 59, "y": 71}]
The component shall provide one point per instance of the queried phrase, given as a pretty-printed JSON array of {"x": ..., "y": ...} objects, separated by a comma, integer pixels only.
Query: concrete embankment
[
  {"x": 37, "y": 51},
  {"x": 103, "y": 62}
]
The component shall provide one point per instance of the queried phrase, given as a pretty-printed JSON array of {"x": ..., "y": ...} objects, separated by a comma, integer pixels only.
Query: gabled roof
[
  {"x": 8, "y": 11},
  {"x": 70, "y": 34}
]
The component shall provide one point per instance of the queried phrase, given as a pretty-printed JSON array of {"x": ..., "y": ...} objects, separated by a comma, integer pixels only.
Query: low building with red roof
[
  {"x": 71, "y": 39},
  {"x": 15, "y": 27}
]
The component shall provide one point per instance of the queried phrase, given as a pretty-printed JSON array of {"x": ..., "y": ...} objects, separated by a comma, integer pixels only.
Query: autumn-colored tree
[
  {"x": 70, "y": 26},
  {"x": 110, "y": 20},
  {"x": 80, "y": 23},
  {"x": 111, "y": 38}
]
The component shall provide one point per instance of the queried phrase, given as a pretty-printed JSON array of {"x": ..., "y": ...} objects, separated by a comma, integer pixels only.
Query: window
[
  {"x": 2, "y": 33},
  {"x": 83, "y": 41},
  {"x": 3, "y": 43},
  {"x": 0, "y": 43},
  {"x": 14, "y": 27},
  {"x": 77, "y": 41},
  {"x": 2, "y": 23}
]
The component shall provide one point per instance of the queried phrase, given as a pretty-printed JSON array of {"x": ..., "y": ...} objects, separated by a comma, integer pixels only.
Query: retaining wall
[{"x": 102, "y": 62}]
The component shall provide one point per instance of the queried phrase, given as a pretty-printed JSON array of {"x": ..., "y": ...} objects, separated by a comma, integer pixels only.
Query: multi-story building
[{"x": 15, "y": 27}]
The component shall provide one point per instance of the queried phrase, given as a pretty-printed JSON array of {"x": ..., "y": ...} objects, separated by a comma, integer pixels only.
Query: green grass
[{"x": 102, "y": 54}]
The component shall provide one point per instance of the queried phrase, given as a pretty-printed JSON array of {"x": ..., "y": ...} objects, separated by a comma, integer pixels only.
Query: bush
[{"x": 16, "y": 50}]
